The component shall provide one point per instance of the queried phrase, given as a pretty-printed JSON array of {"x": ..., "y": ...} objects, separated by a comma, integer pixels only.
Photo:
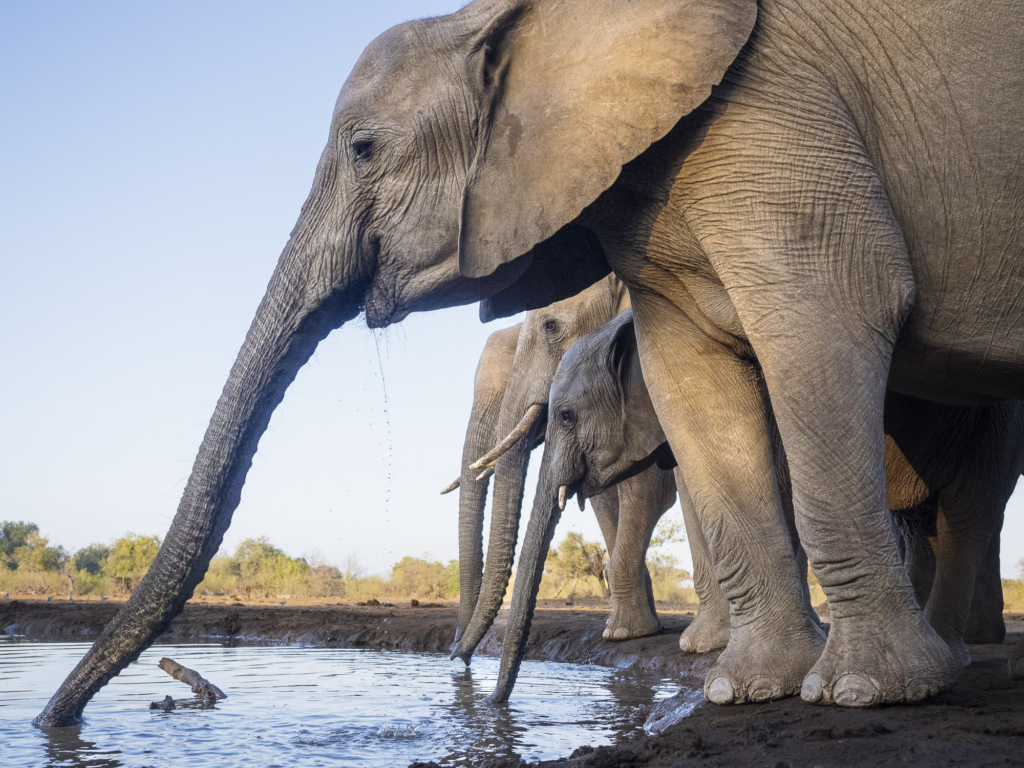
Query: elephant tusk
[
  {"x": 532, "y": 414},
  {"x": 452, "y": 487},
  {"x": 561, "y": 496},
  {"x": 486, "y": 473}
]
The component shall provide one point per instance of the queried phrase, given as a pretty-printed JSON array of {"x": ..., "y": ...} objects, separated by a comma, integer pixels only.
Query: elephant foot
[
  {"x": 873, "y": 660},
  {"x": 628, "y": 622},
  {"x": 709, "y": 631},
  {"x": 758, "y": 666},
  {"x": 1017, "y": 661},
  {"x": 985, "y": 629}
]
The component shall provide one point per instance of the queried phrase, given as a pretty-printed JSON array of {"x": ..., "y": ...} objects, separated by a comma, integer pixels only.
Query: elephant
[
  {"x": 544, "y": 336},
  {"x": 810, "y": 201}
]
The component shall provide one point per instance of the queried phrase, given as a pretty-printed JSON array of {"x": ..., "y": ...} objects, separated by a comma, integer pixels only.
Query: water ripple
[{"x": 293, "y": 706}]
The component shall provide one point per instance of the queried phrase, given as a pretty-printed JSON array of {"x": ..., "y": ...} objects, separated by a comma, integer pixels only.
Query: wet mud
[{"x": 980, "y": 722}]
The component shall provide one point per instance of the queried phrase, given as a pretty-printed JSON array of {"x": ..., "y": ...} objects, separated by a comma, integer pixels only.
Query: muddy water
[{"x": 290, "y": 706}]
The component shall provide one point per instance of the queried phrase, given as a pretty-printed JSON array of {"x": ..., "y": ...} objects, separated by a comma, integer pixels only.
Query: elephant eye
[
  {"x": 362, "y": 150},
  {"x": 568, "y": 418},
  {"x": 550, "y": 326}
]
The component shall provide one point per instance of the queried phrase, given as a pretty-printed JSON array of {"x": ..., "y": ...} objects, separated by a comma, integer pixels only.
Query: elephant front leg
[
  {"x": 710, "y": 404},
  {"x": 643, "y": 499},
  {"x": 827, "y": 375},
  {"x": 709, "y": 631}
]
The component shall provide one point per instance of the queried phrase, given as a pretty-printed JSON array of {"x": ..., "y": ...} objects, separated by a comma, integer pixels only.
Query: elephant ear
[
  {"x": 570, "y": 91},
  {"x": 621, "y": 355}
]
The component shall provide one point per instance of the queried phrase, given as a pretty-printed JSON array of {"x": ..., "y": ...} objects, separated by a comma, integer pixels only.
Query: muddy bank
[
  {"x": 562, "y": 635},
  {"x": 978, "y": 723}
]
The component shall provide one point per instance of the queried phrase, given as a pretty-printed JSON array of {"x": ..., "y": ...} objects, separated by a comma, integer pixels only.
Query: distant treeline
[{"x": 575, "y": 567}]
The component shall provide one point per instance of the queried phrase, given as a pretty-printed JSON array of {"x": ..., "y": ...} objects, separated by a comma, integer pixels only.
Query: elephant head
[
  {"x": 460, "y": 152},
  {"x": 603, "y": 426},
  {"x": 544, "y": 337}
]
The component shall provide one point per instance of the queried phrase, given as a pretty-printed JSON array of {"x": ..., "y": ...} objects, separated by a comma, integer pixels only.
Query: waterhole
[{"x": 296, "y": 706}]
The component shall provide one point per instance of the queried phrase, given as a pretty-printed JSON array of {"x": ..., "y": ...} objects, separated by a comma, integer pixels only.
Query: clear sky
[{"x": 154, "y": 159}]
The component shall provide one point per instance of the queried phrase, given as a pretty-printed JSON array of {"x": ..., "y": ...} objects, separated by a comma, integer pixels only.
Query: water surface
[{"x": 294, "y": 706}]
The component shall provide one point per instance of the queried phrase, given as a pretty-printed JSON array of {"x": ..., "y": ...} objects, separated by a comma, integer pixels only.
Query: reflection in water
[
  {"x": 66, "y": 747},
  {"x": 317, "y": 706}
]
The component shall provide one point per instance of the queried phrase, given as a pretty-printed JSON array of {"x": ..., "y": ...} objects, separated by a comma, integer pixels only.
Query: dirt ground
[{"x": 978, "y": 723}]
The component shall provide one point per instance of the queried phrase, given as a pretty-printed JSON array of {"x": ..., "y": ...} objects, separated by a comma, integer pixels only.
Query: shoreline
[{"x": 567, "y": 635}]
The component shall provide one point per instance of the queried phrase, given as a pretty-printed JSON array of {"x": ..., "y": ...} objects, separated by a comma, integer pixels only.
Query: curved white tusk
[
  {"x": 486, "y": 473},
  {"x": 452, "y": 487},
  {"x": 561, "y": 496},
  {"x": 532, "y": 414}
]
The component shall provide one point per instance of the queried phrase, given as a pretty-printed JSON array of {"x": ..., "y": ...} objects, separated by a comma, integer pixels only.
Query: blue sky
[{"x": 155, "y": 157}]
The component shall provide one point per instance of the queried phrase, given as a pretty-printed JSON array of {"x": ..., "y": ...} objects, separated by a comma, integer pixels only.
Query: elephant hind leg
[
  {"x": 709, "y": 631},
  {"x": 985, "y": 624}
]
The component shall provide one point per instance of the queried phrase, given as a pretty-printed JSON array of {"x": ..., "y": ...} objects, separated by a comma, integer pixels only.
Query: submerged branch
[{"x": 199, "y": 684}]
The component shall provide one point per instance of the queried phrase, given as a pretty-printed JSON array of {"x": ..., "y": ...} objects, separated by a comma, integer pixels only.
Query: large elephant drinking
[{"x": 808, "y": 200}]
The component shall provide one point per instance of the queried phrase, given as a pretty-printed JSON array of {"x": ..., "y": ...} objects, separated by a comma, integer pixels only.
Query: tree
[
  {"x": 91, "y": 558},
  {"x": 13, "y": 535},
  {"x": 129, "y": 559},
  {"x": 36, "y": 554},
  {"x": 421, "y": 577},
  {"x": 576, "y": 558},
  {"x": 668, "y": 531},
  {"x": 264, "y": 569}
]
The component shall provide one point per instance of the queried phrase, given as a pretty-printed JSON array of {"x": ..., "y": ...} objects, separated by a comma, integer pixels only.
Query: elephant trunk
[
  {"x": 509, "y": 486},
  {"x": 480, "y": 436},
  {"x": 539, "y": 533},
  {"x": 292, "y": 319}
]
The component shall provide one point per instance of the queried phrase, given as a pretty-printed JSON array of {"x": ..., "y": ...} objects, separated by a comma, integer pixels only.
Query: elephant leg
[
  {"x": 917, "y": 529},
  {"x": 711, "y": 405},
  {"x": 970, "y": 516},
  {"x": 828, "y": 382},
  {"x": 643, "y": 499},
  {"x": 985, "y": 623},
  {"x": 606, "y": 510},
  {"x": 1016, "y": 661},
  {"x": 709, "y": 631}
]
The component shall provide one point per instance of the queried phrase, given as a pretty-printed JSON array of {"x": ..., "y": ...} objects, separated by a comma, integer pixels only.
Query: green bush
[{"x": 129, "y": 558}]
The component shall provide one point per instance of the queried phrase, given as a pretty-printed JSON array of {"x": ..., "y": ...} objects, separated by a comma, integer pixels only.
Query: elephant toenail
[
  {"x": 763, "y": 689},
  {"x": 703, "y": 647},
  {"x": 720, "y": 691},
  {"x": 855, "y": 690},
  {"x": 684, "y": 644},
  {"x": 607, "y": 633},
  {"x": 811, "y": 690},
  {"x": 1017, "y": 668},
  {"x": 620, "y": 634}
]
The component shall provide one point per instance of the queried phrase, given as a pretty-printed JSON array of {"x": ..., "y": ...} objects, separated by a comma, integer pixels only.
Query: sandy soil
[{"x": 978, "y": 723}]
